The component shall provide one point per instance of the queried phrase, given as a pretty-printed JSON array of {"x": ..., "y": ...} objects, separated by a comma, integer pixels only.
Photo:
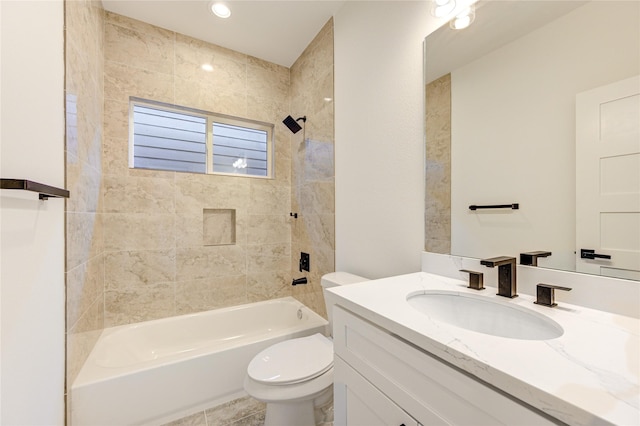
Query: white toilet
[{"x": 295, "y": 377}]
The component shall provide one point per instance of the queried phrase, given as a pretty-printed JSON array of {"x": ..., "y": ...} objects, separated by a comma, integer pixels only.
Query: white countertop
[{"x": 589, "y": 375}]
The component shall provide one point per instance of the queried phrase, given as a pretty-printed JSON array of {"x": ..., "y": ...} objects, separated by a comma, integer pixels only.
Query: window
[
  {"x": 164, "y": 137},
  {"x": 165, "y": 140}
]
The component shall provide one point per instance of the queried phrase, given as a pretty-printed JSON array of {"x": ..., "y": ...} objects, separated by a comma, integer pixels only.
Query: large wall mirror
[{"x": 537, "y": 103}]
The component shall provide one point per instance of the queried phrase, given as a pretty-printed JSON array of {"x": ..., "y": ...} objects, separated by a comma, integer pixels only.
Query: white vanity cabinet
[
  {"x": 381, "y": 379},
  {"x": 364, "y": 404}
]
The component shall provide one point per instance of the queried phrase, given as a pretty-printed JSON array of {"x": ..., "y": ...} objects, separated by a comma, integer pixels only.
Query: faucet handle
[
  {"x": 545, "y": 294},
  {"x": 475, "y": 279},
  {"x": 531, "y": 258}
]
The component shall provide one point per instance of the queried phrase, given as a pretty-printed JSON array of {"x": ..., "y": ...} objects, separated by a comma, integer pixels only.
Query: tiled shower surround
[
  {"x": 312, "y": 173},
  {"x": 156, "y": 261},
  {"x": 84, "y": 57},
  {"x": 136, "y": 249}
]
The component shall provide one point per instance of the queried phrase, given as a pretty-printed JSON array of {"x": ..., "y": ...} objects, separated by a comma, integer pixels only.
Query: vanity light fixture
[
  {"x": 207, "y": 67},
  {"x": 464, "y": 18},
  {"x": 442, "y": 8},
  {"x": 221, "y": 10}
]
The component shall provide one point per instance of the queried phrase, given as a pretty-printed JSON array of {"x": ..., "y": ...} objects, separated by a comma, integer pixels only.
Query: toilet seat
[{"x": 292, "y": 361}]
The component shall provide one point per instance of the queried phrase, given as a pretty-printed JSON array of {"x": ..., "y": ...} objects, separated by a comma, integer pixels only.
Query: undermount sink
[{"x": 484, "y": 315}]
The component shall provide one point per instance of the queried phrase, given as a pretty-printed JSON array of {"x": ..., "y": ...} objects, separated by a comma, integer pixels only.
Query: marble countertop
[{"x": 589, "y": 375}]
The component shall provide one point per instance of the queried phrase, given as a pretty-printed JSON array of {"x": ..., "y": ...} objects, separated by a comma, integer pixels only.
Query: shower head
[{"x": 293, "y": 124}]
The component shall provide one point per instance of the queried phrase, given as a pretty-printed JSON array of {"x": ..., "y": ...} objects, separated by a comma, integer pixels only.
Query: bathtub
[{"x": 157, "y": 371}]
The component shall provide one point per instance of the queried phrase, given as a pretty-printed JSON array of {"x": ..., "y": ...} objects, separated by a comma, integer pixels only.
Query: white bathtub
[{"x": 156, "y": 371}]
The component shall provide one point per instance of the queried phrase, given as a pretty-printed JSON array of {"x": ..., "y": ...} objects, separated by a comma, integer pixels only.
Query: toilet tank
[{"x": 334, "y": 279}]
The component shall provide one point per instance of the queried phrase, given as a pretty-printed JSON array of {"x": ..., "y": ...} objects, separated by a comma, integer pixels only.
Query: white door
[{"x": 608, "y": 180}]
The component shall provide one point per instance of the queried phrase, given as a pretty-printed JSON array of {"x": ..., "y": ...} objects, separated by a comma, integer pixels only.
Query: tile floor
[{"x": 239, "y": 412}]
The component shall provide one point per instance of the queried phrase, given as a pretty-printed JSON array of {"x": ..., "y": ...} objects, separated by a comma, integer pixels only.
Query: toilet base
[{"x": 298, "y": 413}]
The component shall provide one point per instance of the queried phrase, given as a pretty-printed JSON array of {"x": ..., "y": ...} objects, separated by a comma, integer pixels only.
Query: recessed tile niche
[{"x": 219, "y": 227}]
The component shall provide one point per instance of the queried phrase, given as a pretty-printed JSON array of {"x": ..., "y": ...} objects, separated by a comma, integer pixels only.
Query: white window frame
[{"x": 211, "y": 118}]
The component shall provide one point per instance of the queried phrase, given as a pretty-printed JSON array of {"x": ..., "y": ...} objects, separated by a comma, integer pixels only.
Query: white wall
[
  {"x": 518, "y": 139},
  {"x": 379, "y": 130},
  {"x": 32, "y": 231}
]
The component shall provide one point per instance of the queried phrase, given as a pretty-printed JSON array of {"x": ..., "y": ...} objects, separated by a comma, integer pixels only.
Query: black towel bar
[
  {"x": 514, "y": 206},
  {"x": 44, "y": 191}
]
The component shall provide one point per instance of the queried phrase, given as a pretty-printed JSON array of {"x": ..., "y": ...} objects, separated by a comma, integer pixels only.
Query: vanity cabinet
[
  {"x": 365, "y": 404},
  {"x": 381, "y": 379}
]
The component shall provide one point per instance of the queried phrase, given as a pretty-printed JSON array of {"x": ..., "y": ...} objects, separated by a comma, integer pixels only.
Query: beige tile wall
[
  {"x": 84, "y": 133},
  {"x": 312, "y": 188},
  {"x": 135, "y": 243},
  {"x": 157, "y": 262},
  {"x": 438, "y": 166}
]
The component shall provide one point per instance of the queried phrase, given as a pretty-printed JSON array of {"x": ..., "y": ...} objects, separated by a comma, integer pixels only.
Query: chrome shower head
[{"x": 293, "y": 124}]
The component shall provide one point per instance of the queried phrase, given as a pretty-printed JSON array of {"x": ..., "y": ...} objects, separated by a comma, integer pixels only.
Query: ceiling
[
  {"x": 497, "y": 23},
  {"x": 276, "y": 31}
]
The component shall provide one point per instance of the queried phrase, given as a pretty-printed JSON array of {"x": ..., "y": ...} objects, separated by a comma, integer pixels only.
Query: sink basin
[{"x": 484, "y": 315}]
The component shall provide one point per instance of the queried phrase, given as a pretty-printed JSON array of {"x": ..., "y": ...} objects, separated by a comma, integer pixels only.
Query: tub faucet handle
[
  {"x": 475, "y": 279},
  {"x": 545, "y": 294}
]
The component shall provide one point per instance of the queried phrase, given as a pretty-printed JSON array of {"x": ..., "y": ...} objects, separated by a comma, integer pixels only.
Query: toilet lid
[{"x": 292, "y": 361}]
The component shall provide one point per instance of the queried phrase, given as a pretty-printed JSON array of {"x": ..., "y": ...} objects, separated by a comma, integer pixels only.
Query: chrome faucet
[{"x": 506, "y": 274}]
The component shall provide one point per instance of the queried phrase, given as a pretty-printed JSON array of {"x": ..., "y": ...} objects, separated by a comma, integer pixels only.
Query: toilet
[{"x": 295, "y": 377}]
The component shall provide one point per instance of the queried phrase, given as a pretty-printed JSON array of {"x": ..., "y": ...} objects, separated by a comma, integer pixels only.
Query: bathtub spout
[{"x": 297, "y": 281}]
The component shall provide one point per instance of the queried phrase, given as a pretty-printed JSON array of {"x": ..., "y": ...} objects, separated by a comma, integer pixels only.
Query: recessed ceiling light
[
  {"x": 207, "y": 67},
  {"x": 220, "y": 9}
]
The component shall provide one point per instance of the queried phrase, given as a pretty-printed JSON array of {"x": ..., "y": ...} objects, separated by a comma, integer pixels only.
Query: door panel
[{"x": 608, "y": 178}]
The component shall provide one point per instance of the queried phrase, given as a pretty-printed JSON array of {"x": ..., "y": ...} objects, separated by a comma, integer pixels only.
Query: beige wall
[
  {"x": 84, "y": 133},
  {"x": 156, "y": 263},
  {"x": 312, "y": 188},
  {"x": 437, "y": 226}
]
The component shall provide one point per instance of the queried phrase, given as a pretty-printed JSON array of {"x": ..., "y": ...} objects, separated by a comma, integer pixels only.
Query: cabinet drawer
[
  {"x": 420, "y": 383},
  {"x": 364, "y": 405}
]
